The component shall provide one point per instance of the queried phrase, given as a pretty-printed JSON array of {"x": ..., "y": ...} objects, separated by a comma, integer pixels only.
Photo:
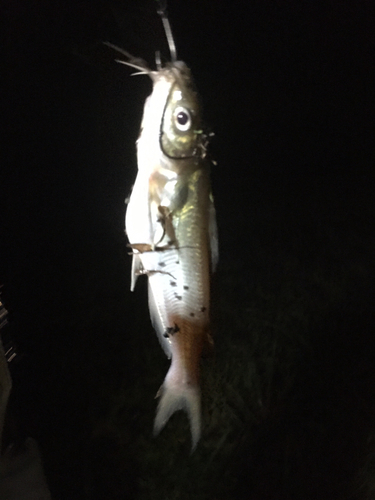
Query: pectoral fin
[{"x": 136, "y": 270}]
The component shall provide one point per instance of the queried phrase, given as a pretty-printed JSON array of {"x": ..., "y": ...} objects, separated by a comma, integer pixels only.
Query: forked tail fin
[{"x": 176, "y": 396}]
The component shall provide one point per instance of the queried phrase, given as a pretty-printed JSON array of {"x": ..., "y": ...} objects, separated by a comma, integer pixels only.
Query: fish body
[{"x": 171, "y": 226}]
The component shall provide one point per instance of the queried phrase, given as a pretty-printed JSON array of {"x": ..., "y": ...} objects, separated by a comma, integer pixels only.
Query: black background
[{"x": 288, "y": 89}]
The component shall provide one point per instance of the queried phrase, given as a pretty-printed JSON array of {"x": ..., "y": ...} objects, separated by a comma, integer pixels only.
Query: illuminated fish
[{"x": 171, "y": 227}]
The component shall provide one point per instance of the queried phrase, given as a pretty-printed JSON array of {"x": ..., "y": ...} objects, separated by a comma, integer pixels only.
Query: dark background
[{"x": 288, "y": 88}]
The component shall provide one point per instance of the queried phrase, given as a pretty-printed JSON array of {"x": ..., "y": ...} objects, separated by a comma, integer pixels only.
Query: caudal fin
[{"x": 179, "y": 396}]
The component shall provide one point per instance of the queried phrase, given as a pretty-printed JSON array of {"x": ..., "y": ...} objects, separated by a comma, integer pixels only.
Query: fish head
[
  {"x": 172, "y": 127},
  {"x": 181, "y": 123}
]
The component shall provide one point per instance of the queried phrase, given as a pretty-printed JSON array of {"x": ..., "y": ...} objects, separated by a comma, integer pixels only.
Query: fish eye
[{"x": 182, "y": 119}]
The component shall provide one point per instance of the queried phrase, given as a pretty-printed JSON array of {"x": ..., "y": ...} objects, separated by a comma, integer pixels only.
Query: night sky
[{"x": 288, "y": 89}]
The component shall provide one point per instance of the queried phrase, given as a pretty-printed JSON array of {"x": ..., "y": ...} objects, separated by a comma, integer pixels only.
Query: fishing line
[{"x": 162, "y": 11}]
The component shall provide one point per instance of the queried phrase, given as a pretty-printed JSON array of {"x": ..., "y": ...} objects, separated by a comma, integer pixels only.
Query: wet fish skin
[{"x": 171, "y": 227}]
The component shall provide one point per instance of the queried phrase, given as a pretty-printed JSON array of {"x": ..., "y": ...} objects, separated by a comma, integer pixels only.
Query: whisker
[
  {"x": 158, "y": 60},
  {"x": 122, "y": 51},
  {"x": 144, "y": 71},
  {"x": 134, "y": 62}
]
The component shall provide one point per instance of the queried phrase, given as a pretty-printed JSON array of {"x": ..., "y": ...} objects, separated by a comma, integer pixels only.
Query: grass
[{"x": 277, "y": 394}]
